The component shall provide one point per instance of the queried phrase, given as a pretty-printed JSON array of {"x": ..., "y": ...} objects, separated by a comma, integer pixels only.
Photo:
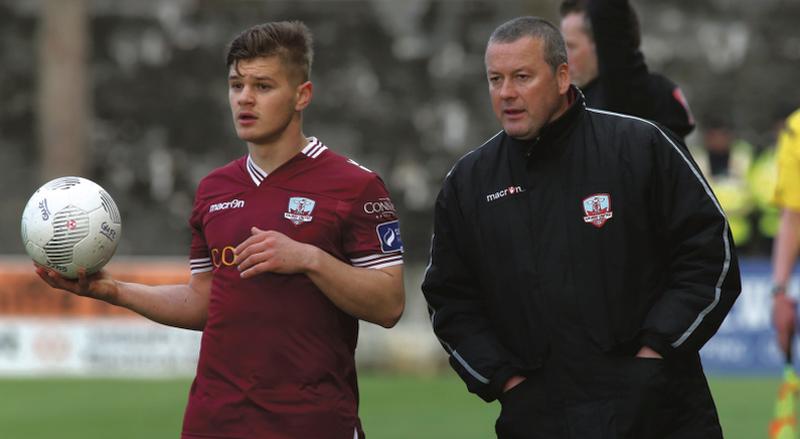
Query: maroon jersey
[{"x": 277, "y": 356}]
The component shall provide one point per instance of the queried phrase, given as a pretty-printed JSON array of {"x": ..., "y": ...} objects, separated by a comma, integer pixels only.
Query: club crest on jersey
[
  {"x": 597, "y": 208},
  {"x": 300, "y": 209}
]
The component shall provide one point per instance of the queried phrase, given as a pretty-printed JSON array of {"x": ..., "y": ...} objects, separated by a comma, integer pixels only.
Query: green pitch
[{"x": 393, "y": 407}]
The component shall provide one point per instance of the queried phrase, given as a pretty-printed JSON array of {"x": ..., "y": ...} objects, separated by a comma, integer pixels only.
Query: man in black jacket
[
  {"x": 579, "y": 261},
  {"x": 603, "y": 39}
]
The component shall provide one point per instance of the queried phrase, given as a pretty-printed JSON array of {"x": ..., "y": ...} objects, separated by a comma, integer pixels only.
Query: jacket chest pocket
[
  {"x": 504, "y": 228},
  {"x": 613, "y": 223}
]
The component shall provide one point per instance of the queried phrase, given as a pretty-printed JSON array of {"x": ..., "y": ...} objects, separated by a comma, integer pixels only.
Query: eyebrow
[
  {"x": 513, "y": 72},
  {"x": 257, "y": 78}
]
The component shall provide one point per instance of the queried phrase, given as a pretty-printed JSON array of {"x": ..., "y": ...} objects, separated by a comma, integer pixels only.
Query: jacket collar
[{"x": 548, "y": 141}]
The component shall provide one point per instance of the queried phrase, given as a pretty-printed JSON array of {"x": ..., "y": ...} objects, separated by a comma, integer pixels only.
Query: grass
[
  {"x": 405, "y": 407},
  {"x": 745, "y": 405},
  {"x": 91, "y": 409},
  {"x": 393, "y": 407}
]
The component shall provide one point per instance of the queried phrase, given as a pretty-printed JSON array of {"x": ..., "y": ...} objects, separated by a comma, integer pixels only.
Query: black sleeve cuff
[
  {"x": 656, "y": 342},
  {"x": 499, "y": 380}
]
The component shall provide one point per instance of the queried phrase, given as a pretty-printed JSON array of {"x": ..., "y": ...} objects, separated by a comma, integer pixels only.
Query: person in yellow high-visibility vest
[
  {"x": 784, "y": 255},
  {"x": 762, "y": 178},
  {"x": 726, "y": 162}
]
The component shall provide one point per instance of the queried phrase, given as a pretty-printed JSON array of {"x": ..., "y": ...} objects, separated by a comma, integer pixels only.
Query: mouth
[
  {"x": 513, "y": 112},
  {"x": 246, "y": 118}
]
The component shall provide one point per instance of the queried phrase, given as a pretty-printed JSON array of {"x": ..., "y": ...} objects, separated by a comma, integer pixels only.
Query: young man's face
[
  {"x": 264, "y": 98},
  {"x": 580, "y": 49},
  {"x": 526, "y": 93}
]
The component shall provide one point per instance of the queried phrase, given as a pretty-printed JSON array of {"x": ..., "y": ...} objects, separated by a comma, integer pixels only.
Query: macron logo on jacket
[{"x": 511, "y": 190}]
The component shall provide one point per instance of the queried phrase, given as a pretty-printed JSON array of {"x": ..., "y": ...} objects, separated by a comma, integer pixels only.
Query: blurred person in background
[
  {"x": 787, "y": 241},
  {"x": 291, "y": 245},
  {"x": 763, "y": 178},
  {"x": 603, "y": 39},
  {"x": 579, "y": 261},
  {"x": 726, "y": 161}
]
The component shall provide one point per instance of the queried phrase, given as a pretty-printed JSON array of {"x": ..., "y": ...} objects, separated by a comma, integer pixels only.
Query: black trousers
[{"x": 612, "y": 398}]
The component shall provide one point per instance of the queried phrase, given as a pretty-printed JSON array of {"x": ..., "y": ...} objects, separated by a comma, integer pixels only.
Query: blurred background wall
[{"x": 132, "y": 94}]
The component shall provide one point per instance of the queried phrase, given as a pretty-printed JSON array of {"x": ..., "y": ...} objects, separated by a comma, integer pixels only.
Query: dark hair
[
  {"x": 289, "y": 40},
  {"x": 572, "y": 7},
  {"x": 555, "y": 52},
  {"x": 581, "y": 7},
  {"x": 578, "y": 7}
]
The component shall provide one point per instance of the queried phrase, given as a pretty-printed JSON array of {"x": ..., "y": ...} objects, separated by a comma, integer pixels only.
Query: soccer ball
[{"x": 71, "y": 223}]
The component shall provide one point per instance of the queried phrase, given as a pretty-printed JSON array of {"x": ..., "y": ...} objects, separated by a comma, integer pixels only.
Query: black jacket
[
  {"x": 624, "y": 83},
  {"x": 519, "y": 245}
]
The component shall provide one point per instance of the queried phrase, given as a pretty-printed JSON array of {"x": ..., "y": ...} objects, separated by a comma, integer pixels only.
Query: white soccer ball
[{"x": 71, "y": 223}]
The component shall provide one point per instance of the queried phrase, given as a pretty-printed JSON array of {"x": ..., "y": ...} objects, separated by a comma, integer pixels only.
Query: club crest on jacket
[{"x": 597, "y": 208}]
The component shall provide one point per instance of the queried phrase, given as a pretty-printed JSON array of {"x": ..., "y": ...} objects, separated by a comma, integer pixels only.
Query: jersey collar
[
  {"x": 256, "y": 173},
  {"x": 313, "y": 149}
]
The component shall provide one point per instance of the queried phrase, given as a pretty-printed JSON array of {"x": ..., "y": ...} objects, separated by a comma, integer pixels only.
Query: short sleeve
[
  {"x": 199, "y": 257},
  {"x": 372, "y": 230},
  {"x": 787, "y": 190}
]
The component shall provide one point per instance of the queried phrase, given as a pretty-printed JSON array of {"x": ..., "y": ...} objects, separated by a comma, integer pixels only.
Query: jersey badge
[
  {"x": 300, "y": 209},
  {"x": 389, "y": 236},
  {"x": 597, "y": 208}
]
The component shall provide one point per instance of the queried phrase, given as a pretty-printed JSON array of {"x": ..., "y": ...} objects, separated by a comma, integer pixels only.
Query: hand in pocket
[{"x": 639, "y": 406}]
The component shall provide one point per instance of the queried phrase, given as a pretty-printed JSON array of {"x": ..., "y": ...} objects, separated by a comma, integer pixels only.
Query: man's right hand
[{"x": 99, "y": 285}]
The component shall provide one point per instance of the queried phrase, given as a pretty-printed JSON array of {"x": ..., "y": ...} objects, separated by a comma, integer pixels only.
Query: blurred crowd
[
  {"x": 399, "y": 87},
  {"x": 743, "y": 174}
]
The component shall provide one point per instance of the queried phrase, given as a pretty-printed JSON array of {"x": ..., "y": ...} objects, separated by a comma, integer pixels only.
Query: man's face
[
  {"x": 580, "y": 49},
  {"x": 526, "y": 93},
  {"x": 264, "y": 98}
]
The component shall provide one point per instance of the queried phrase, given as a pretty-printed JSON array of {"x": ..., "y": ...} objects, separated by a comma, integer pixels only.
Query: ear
[
  {"x": 303, "y": 94},
  {"x": 562, "y": 76}
]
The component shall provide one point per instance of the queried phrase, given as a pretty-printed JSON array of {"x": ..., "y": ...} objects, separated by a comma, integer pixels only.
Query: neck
[{"x": 269, "y": 155}]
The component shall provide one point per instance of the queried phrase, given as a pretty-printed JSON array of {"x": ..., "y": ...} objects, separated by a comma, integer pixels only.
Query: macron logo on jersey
[
  {"x": 389, "y": 236},
  {"x": 232, "y": 204}
]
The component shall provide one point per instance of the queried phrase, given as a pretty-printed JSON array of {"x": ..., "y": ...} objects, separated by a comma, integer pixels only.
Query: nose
[
  {"x": 245, "y": 96},
  {"x": 507, "y": 90}
]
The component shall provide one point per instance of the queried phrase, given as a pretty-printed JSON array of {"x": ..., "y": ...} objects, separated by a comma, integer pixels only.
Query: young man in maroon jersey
[{"x": 291, "y": 245}]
